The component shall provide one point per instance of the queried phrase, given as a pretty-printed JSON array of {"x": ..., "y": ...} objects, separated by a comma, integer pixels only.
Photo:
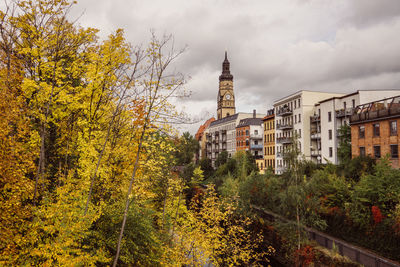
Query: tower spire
[{"x": 226, "y": 73}]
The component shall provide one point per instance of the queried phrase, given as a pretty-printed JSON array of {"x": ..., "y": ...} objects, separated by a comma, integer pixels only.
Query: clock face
[{"x": 228, "y": 96}]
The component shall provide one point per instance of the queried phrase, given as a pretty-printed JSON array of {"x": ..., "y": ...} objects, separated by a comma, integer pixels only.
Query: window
[
  {"x": 394, "y": 151},
  {"x": 256, "y": 132},
  {"x": 361, "y": 131},
  {"x": 247, "y": 142},
  {"x": 255, "y": 142},
  {"x": 354, "y": 103},
  {"x": 299, "y": 102},
  {"x": 393, "y": 127},
  {"x": 299, "y": 132},
  {"x": 377, "y": 152},
  {"x": 375, "y": 128},
  {"x": 295, "y": 119},
  {"x": 344, "y": 104},
  {"x": 247, "y": 132},
  {"x": 362, "y": 151},
  {"x": 329, "y": 116},
  {"x": 299, "y": 118},
  {"x": 330, "y": 134},
  {"x": 295, "y": 104},
  {"x": 330, "y": 152}
]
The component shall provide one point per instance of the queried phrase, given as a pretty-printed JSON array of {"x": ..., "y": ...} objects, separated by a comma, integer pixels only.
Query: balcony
[
  {"x": 256, "y": 136},
  {"x": 315, "y": 119},
  {"x": 284, "y": 140},
  {"x": 344, "y": 112},
  {"x": 378, "y": 110},
  {"x": 258, "y": 157},
  {"x": 284, "y": 126},
  {"x": 315, "y": 135},
  {"x": 315, "y": 152},
  {"x": 256, "y": 147},
  {"x": 285, "y": 111}
]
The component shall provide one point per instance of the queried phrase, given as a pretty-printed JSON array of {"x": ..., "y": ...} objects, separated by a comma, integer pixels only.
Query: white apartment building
[
  {"x": 221, "y": 135},
  {"x": 330, "y": 114},
  {"x": 292, "y": 115}
]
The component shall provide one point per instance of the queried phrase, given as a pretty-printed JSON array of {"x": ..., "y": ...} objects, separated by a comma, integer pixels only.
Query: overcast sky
[{"x": 275, "y": 47}]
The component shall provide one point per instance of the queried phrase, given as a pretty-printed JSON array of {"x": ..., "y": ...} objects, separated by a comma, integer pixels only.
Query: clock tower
[{"x": 226, "y": 98}]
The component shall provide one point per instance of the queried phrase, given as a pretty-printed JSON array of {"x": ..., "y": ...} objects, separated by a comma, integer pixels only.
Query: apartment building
[
  {"x": 292, "y": 118},
  {"x": 268, "y": 141},
  {"x": 330, "y": 114},
  {"x": 374, "y": 129},
  {"x": 201, "y": 137},
  {"x": 249, "y": 136},
  {"x": 222, "y": 134}
]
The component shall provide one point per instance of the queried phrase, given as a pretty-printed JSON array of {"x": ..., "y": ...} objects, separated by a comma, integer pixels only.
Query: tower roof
[{"x": 226, "y": 73}]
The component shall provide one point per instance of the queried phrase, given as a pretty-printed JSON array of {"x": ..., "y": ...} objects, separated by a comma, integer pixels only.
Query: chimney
[{"x": 254, "y": 113}]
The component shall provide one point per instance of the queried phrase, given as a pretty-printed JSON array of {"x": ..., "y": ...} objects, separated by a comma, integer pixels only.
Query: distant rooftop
[{"x": 249, "y": 121}]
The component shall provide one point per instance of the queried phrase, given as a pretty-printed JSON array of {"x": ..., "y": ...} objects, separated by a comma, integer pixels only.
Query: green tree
[
  {"x": 222, "y": 158},
  {"x": 186, "y": 148},
  {"x": 344, "y": 147}
]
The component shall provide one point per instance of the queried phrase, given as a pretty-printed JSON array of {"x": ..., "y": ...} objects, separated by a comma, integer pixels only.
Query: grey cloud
[
  {"x": 365, "y": 13},
  {"x": 275, "y": 47}
]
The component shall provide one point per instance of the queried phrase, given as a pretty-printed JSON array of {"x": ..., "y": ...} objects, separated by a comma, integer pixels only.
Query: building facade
[
  {"x": 249, "y": 135},
  {"x": 292, "y": 115},
  {"x": 269, "y": 141},
  {"x": 221, "y": 135},
  {"x": 201, "y": 138},
  {"x": 374, "y": 130},
  {"x": 330, "y": 115}
]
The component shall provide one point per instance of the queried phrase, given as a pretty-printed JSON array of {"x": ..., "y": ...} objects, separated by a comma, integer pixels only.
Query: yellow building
[{"x": 269, "y": 142}]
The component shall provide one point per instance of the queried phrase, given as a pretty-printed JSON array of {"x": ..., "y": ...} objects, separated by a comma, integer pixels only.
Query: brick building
[
  {"x": 249, "y": 136},
  {"x": 374, "y": 129}
]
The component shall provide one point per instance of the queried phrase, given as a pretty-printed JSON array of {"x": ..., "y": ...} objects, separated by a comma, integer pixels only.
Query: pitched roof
[
  {"x": 226, "y": 119},
  {"x": 203, "y": 127},
  {"x": 249, "y": 121}
]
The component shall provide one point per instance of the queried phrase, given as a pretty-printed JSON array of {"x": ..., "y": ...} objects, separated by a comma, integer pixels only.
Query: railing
[
  {"x": 253, "y": 146},
  {"x": 357, "y": 254},
  {"x": 344, "y": 112},
  {"x": 286, "y": 126},
  {"x": 256, "y": 136},
  {"x": 315, "y": 152},
  {"x": 285, "y": 111},
  {"x": 284, "y": 140},
  {"x": 316, "y": 135},
  {"x": 376, "y": 110},
  {"x": 315, "y": 118}
]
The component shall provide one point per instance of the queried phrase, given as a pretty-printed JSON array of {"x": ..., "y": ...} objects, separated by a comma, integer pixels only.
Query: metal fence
[{"x": 356, "y": 254}]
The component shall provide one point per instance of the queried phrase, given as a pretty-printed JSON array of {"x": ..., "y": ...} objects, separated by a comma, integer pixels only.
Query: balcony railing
[
  {"x": 344, "y": 112},
  {"x": 315, "y": 152},
  {"x": 284, "y": 140},
  {"x": 315, "y": 118},
  {"x": 384, "y": 108},
  {"x": 284, "y": 126},
  {"x": 285, "y": 111},
  {"x": 315, "y": 135},
  {"x": 256, "y": 136},
  {"x": 253, "y": 146}
]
